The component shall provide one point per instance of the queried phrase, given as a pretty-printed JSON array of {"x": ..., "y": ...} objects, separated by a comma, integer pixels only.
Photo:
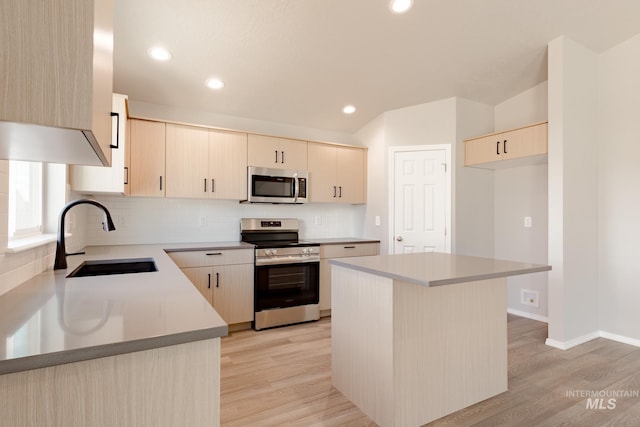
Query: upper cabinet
[
  {"x": 147, "y": 163},
  {"x": 113, "y": 179},
  {"x": 527, "y": 143},
  {"x": 56, "y": 74},
  {"x": 279, "y": 153},
  {"x": 204, "y": 163},
  {"x": 337, "y": 174}
]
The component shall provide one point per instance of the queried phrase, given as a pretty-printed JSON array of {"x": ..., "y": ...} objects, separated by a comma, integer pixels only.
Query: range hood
[{"x": 25, "y": 141}]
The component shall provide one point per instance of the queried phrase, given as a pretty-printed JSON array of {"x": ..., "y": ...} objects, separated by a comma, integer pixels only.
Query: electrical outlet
[
  {"x": 530, "y": 298},
  {"x": 318, "y": 220},
  {"x": 377, "y": 220},
  {"x": 528, "y": 222},
  {"x": 203, "y": 220}
]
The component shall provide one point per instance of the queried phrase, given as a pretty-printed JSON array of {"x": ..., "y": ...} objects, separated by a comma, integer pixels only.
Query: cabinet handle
[
  {"x": 117, "y": 116},
  {"x": 282, "y": 157},
  {"x": 208, "y": 280},
  {"x": 205, "y": 185},
  {"x": 213, "y": 185},
  {"x": 498, "y": 148},
  {"x": 349, "y": 247},
  {"x": 217, "y": 280},
  {"x": 213, "y": 253},
  {"x": 334, "y": 191},
  {"x": 160, "y": 182},
  {"x": 340, "y": 194},
  {"x": 126, "y": 175},
  {"x": 276, "y": 155},
  {"x": 504, "y": 148}
]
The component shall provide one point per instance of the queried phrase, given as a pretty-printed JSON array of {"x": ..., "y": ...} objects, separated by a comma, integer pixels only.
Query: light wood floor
[{"x": 282, "y": 377}]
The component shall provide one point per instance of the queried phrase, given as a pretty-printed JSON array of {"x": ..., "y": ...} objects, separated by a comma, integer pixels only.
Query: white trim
[
  {"x": 531, "y": 316},
  {"x": 620, "y": 338},
  {"x": 26, "y": 243},
  {"x": 448, "y": 177},
  {"x": 566, "y": 345}
]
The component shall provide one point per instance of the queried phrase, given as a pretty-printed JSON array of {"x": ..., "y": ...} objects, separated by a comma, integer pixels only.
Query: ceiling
[{"x": 300, "y": 62}]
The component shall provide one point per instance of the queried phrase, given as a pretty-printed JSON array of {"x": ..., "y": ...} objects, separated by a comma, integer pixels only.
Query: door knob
[{"x": 399, "y": 238}]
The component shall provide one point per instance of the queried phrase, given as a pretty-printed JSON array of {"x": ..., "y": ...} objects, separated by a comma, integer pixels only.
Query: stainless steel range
[{"x": 287, "y": 272}]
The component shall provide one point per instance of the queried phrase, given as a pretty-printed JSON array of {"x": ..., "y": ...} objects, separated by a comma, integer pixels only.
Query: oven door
[{"x": 286, "y": 285}]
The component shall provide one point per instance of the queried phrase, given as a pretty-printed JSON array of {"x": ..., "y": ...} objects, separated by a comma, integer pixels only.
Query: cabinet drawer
[
  {"x": 212, "y": 257},
  {"x": 349, "y": 250}
]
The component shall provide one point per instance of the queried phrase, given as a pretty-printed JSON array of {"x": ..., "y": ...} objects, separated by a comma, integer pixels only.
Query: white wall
[
  {"x": 519, "y": 192},
  {"x": 573, "y": 193},
  {"x": 619, "y": 190},
  {"x": 473, "y": 207},
  {"x": 424, "y": 124}
]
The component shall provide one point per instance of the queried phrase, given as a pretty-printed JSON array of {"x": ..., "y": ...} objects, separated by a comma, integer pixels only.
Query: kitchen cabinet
[
  {"x": 337, "y": 173},
  {"x": 206, "y": 163},
  {"x": 342, "y": 250},
  {"x": 56, "y": 74},
  {"x": 147, "y": 158},
  {"x": 224, "y": 278},
  {"x": 489, "y": 150},
  {"x": 112, "y": 179},
  {"x": 279, "y": 153}
]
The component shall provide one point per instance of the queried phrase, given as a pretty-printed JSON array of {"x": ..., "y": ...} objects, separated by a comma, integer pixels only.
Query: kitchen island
[
  {"x": 418, "y": 336},
  {"x": 137, "y": 349}
]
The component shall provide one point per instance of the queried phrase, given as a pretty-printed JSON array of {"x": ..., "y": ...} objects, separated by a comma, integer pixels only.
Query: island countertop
[
  {"x": 437, "y": 269},
  {"x": 52, "y": 319}
]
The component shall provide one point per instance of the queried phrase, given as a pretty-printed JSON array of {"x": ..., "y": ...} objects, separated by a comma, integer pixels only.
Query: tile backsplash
[{"x": 155, "y": 220}]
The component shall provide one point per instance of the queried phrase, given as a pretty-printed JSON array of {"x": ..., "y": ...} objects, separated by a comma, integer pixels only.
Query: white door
[{"x": 421, "y": 201}]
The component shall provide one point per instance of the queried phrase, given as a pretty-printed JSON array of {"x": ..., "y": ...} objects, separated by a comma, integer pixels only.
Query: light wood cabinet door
[
  {"x": 279, "y": 153},
  {"x": 350, "y": 175},
  {"x": 201, "y": 279},
  {"x": 529, "y": 141},
  {"x": 322, "y": 172},
  {"x": 111, "y": 179},
  {"x": 485, "y": 151},
  {"x": 227, "y": 165},
  {"x": 54, "y": 72},
  {"x": 233, "y": 292},
  {"x": 147, "y": 162},
  {"x": 336, "y": 173},
  {"x": 187, "y": 161}
]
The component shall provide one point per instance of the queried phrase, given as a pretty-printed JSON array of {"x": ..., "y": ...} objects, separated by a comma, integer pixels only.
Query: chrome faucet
[{"x": 61, "y": 252}]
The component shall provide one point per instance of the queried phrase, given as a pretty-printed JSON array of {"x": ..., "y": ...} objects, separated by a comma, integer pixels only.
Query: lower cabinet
[
  {"x": 343, "y": 250},
  {"x": 224, "y": 278}
]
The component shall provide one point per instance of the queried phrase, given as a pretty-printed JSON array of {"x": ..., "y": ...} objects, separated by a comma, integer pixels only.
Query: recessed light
[
  {"x": 214, "y": 83},
  {"x": 160, "y": 54},
  {"x": 400, "y": 6},
  {"x": 349, "y": 109}
]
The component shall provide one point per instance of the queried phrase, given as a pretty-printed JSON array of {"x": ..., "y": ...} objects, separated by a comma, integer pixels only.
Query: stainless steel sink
[{"x": 105, "y": 267}]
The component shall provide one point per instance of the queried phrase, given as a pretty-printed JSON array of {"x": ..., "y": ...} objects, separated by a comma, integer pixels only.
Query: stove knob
[
  {"x": 274, "y": 251},
  {"x": 305, "y": 250},
  {"x": 268, "y": 252}
]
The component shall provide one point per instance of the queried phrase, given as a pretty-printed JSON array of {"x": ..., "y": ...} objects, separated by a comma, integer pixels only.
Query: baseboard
[
  {"x": 620, "y": 338},
  {"x": 588, "y": 337},
  {"x": 566, "y": 345},
  {"x": 531, "y": 316}
]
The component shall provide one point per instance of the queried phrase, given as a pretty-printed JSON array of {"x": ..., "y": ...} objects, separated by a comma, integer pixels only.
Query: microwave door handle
[{"x": 296, "y": 186}]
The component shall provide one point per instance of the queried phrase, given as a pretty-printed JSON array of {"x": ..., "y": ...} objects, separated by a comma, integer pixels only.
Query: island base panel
[
  {"x": 407, "y": 354},
  {"x": 165, "y": 386}
]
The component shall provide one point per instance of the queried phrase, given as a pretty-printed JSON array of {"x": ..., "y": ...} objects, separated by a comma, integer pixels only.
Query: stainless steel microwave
[{"x": 267, "y": 185}]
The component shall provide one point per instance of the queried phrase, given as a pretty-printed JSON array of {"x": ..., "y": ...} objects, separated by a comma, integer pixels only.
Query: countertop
[
  {"x": 341, "y": 240},
  {"x": 437, "y": 269},
  {"x": 51, "y": 319}
]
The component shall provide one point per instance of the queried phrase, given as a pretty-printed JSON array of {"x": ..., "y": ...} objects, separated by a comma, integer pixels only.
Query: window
[{"x": 25, "y": 199}]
